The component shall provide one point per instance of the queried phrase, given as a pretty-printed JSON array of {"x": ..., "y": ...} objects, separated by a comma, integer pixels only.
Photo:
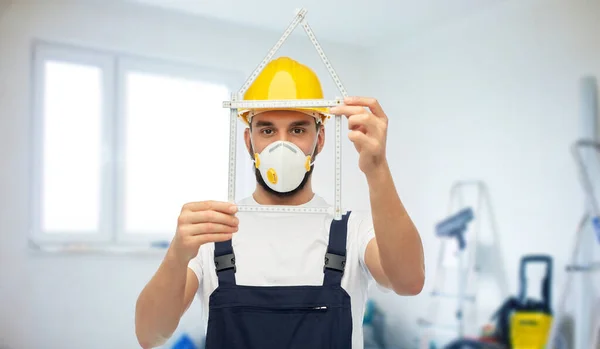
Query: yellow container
[{"x": 529, "y": 330}]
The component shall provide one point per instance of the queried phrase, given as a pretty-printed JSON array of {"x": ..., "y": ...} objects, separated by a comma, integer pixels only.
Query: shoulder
[
  {"x": 360, "y": 231},
  {"x": 360, "y": 221}
]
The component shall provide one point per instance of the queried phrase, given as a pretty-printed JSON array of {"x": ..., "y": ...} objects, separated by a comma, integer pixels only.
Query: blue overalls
[{"x": 282, "y": 317}]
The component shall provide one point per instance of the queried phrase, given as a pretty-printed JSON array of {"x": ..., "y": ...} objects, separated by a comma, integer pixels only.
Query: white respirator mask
[{"x": 283, "y": 165}]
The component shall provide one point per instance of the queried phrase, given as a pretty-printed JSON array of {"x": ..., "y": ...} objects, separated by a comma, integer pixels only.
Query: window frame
[
  {"x": 42, "y": 54},
  {"x": 114, "y": 67}
]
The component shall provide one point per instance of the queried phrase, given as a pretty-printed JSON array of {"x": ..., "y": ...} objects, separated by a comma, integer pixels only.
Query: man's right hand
[
  {"x": 171, "y": 290},
  {"x": 203, "y": 222}
]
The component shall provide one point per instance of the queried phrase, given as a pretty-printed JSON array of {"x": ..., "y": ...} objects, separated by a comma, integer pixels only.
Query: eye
[
  {"x": 267, "y": 131},
  {"x": 297, "y": 131}
]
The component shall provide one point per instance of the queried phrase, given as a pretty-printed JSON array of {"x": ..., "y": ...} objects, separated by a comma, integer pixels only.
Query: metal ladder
[
  {"x": 466, "y": 255},
  {"x": 591, "y": 217}
]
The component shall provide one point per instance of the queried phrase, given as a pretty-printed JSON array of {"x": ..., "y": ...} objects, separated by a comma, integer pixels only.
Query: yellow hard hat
[{"x": 285, "y": 78}]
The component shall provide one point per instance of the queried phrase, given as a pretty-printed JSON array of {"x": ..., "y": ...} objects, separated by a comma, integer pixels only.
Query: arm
[
  {"x": 163, "y": 301},
  {"x": 395, "y": 256},
  {"x": 170, "y": 291}
]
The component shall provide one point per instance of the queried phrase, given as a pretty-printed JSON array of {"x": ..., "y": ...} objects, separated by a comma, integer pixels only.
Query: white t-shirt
[{"x": 285, "y": 249}]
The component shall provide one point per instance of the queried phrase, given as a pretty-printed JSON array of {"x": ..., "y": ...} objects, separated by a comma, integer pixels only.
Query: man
[{"x": 279, "y": 280}]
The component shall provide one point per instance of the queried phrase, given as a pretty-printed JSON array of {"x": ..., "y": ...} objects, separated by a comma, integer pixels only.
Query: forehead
[{"x": 282, "y": 118}]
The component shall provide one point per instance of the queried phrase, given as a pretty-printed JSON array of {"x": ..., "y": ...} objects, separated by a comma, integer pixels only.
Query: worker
[{"x": 287, "y": 280}]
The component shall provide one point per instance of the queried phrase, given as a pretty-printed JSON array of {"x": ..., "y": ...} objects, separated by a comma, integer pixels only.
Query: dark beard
[{"x": 261, "y": 181}]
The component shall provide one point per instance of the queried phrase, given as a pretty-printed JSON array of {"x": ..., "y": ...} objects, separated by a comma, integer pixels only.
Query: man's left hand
[{"x": 367, "y": 123}]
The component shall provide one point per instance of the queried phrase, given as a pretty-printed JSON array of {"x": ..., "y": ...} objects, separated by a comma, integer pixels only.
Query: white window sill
[{"x": 97, "y": 249}]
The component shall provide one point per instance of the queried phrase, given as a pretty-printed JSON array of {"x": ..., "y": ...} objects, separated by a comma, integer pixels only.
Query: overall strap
[
  {"x": 225, "y": 263},
  {"x": 335, "y": 259}
]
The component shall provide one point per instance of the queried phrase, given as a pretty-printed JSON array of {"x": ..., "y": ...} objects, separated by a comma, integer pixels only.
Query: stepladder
[
  {"x": 579, "y": 326},
  {"x": 452, "y": 311}
]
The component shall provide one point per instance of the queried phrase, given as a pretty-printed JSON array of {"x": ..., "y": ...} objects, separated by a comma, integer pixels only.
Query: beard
[{"x": 287, "y": 194}]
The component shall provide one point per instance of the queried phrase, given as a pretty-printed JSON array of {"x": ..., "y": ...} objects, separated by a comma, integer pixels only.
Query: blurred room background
[{"x": 111, "y": 118}]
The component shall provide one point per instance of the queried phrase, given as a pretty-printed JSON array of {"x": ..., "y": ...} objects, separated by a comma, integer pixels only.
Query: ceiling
[{"x": 359, "y": 22}]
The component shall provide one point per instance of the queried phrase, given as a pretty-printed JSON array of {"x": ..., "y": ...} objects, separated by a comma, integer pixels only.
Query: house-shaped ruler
[{"x": 237, "y": 102}]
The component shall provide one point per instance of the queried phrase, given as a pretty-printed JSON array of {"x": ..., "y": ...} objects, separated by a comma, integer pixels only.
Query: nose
[{"x": 283, "y": 136}]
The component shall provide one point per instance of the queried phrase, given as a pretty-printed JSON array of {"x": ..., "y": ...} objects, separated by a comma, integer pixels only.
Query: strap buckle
[
  {"x": 334, "y": 262},
  {"x": 225, "y": 262}
]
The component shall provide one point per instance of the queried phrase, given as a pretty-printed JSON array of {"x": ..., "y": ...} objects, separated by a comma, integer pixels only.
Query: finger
[
  {"x": 207, "y": 228},
  {"x": 194, "y": 217},
  {"x": 225, "y": 207},
  {"x": 360, "y": 140},
  {"x": 367, "y": 102},
  {"x": 214, "y": 237},
  {"x": 353, "y": 136},
  {"x": 347, "y": 110},
  {"x": 363, "y": 122},
  {"x": 357, "y": 137}
]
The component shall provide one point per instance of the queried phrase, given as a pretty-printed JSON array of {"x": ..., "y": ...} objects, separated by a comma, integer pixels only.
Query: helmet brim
[{"x": 320, "y": 114}]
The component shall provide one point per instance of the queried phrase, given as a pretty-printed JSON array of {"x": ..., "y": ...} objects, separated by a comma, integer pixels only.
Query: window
[
  {"x": 71, "y": 150},
  {"x": 121, "y": 143}
]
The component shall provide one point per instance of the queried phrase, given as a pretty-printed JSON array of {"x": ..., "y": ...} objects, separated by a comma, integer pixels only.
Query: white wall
[
  {"x": 494, "y": 97},
  {"x": 63, "y": 301}
]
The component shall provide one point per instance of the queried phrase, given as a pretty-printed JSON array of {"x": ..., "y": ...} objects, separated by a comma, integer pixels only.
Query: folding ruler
[
  {"x": 467, "y": 257},
  {"x": 237, "y": 102}
]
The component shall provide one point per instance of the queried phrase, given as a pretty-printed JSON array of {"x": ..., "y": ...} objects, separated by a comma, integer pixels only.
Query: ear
[
  {"x": 247, "y": 141},
  {"x": 321, "y": 138}
]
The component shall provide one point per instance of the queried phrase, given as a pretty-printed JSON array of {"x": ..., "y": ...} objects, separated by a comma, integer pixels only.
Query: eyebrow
[
  {"x": 293, "y": 124},
  {"x": 300, "y": 123},
  {"x": 263, "y": 123}
]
